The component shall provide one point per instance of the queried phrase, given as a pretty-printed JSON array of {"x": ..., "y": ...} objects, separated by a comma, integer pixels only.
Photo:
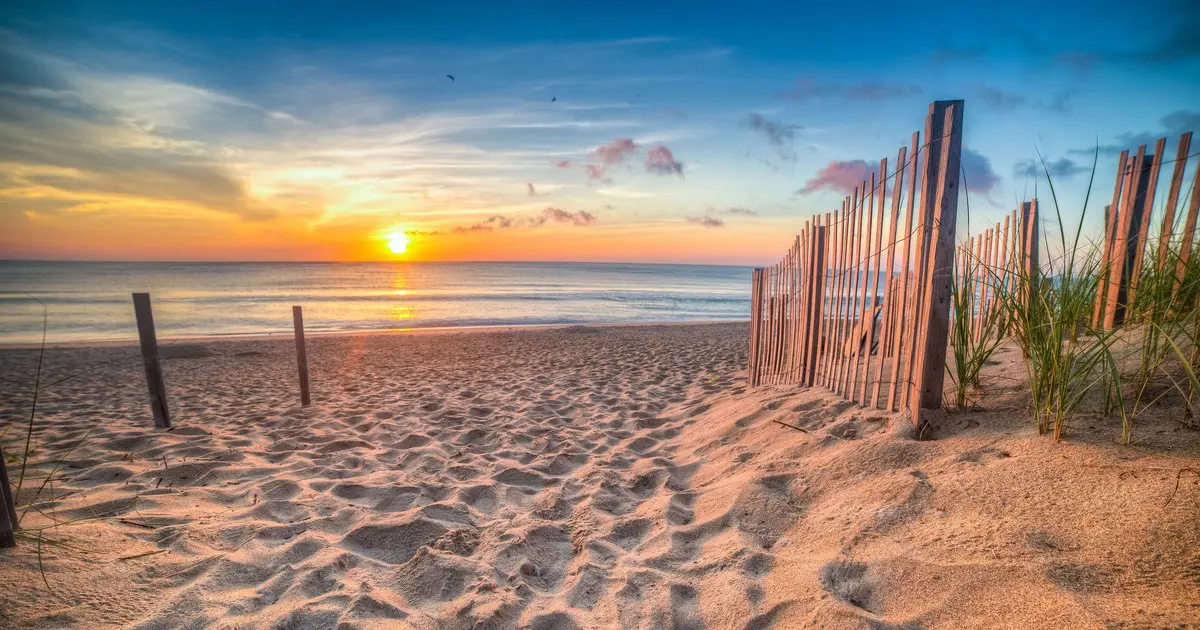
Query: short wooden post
[
  {"x": 941, "y": 197},
  {"x": 301, "y": 354},
  {"x": 154, "y": 376},
  {"x": 8, "y": 512}
]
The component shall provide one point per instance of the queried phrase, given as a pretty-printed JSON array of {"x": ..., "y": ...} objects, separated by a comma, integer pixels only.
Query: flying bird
[
  {"x": 554, "y": 99},
  {"x": 450, "y": 76}
]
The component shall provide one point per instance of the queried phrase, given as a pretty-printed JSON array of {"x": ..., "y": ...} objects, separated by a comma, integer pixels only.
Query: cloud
[
  {"x": 838, "y": 176},
  {"x": 1064, "y": 167},
  {"x": 1000, "y": 99},
  {"x": 1009, "y": 101},
  {"x": 977, "y": 170},
  {"x": 806, "y": 89},
  {"x": 1173, "y": 124},
  {"x": 778, "y": 134},
  {"x": 708, "y": 222},
  {"x": 549, "y": 215},
  {"x": 614, "y": 152},
  {"x": 661, "y": 161},
  {"x": 742, "y": 211},
  {"x": 579, "y": 217},
  {"x": 604, "y": 157}
]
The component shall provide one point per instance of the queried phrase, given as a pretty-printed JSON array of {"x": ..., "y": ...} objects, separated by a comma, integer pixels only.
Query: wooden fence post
[
  {"x": 154, "y": 376},
  {"x": 816, "y": 292},
  {"x": 753, "y": 350},
  {"x": 301, "y": 354},
  {"x": 8, "y": 511},
  {"x": 1030, "y": 248},
  {"x": 941, "y": 199}
]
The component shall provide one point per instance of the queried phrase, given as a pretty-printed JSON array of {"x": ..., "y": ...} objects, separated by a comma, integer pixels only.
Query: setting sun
[{"x": 397, "y": 242}]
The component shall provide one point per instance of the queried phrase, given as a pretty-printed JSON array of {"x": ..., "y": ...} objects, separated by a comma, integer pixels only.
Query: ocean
[{"x": 90, "y": 301}]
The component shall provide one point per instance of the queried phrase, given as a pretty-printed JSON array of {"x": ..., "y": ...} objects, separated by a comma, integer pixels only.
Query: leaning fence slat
[
  {"x": 923, "y": 239},
  {"x": 772, "y": 321},
  {"x": 1145, "y": 208},
  {"x": 836, "y": 296},
  {"x": 1117, "y": 260},
  {"x": 887, "y": 322},
  {"x": 804, "y": 289},
  {"x": 816, "y": 291},
  {"x": 151, "y": 361},
  {"x": 800, "y": 325},
  {"x": 842, "y": 291},
  {"x": 904, "y": 300},
  {"x": 1110, "y": 236},
  {"x": 864, "y": 276},
  {"x": 835, "y": 328},
  {"x": 752, "y": 352},
  {"x": 874, "y": 269},
  {"x": 8, "y": 509},
  {"x": 1189, "y": 233},
  {"x": 1168, "y": 221},
  {"x": 860, "y": 208}
]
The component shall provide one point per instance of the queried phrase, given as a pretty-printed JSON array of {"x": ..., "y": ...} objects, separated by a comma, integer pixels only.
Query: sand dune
[{"x": 578, "y": 478}]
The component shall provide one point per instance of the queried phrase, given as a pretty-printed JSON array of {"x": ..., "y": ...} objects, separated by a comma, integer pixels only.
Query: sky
[{"x": 648, "y": 132}]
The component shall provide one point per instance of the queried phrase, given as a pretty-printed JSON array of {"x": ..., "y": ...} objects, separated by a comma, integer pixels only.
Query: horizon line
[{"x": 368, "y": 262}]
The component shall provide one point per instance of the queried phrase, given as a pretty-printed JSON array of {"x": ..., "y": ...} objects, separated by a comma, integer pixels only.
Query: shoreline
[{"x": 431, "y": 330}]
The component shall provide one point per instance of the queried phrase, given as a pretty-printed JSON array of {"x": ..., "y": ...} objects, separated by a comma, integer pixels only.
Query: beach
[{"x": 572, "y": 477}]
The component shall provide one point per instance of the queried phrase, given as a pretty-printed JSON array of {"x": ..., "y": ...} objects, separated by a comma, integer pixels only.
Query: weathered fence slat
[
  {"x": 904, "y": 306},
  {"x": 1189, "y": 232},
  {"x": 1168, "y": 221},
  {"x": 8, "y": 511}
]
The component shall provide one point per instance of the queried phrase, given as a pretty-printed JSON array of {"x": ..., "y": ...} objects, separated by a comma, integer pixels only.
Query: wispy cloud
[
  {"x": 580, "y": 218},
  {"x": 742, "y": 211},
  {"x": 1173, "y": 124},
  {"x": 708, "y": 222},
  {"x": 806, "y": 89},
  {"x": 1002, "y": 100},
  {"x": 1062, "y": 167},
  {"x": 779, "y": 135}
]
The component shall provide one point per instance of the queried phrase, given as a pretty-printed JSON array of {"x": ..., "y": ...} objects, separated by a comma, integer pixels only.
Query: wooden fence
[
  {"x": 834, "y": 312},
  {"x": 1127, "y": 222},
  {"x": 988, "y": 265}
]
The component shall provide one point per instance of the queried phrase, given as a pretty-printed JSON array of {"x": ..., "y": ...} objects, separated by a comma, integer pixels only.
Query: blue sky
[{"x": 601, "y": 131}]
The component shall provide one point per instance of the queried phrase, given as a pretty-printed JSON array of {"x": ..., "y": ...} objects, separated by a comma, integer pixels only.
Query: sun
[{"x": 397, "y": 242}]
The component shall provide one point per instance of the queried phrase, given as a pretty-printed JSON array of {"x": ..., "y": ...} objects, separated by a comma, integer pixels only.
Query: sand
[{"x": 577, "y": 478}]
